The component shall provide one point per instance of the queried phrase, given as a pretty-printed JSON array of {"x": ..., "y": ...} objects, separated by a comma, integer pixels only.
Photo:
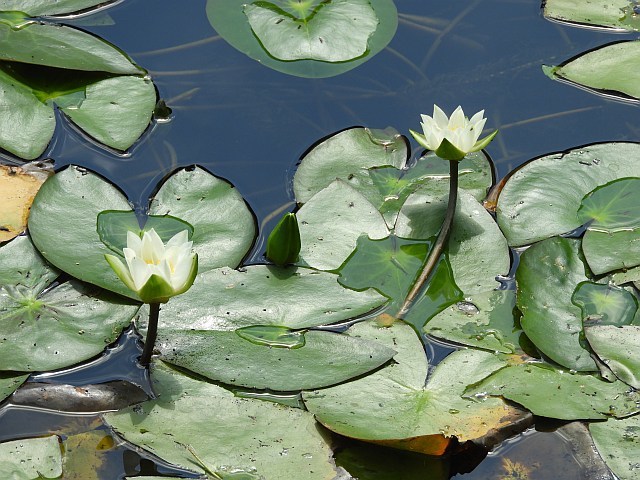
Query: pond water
[{"x": 250, "y": 125}]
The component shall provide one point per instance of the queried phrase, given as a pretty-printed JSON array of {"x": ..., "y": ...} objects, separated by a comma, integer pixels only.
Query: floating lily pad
[
  {"x": 618, "y": 442},
  {"x": 63, "y": 326},
  {"x": 31, "y": 458},
  {"x": 333, "y": 31},
  {"x": 234, "y": 19},
  {"x": 331, "y": 223},
  {"x": 223, "y": 225},
  {"x": 559, "y": 394},
  {"x": 325, "y": 358},
  {"x": 18, "y": 187},
  {"x": 266, "y": 439},
  {"x": 36, "y": 8},
  {"x": 294, "y": 297},
  {"x": 612, "y": 239},
  {"x": 393, "y": 406},
  {"x": 617, "y": 347},
  {"x": 612, "y": 14},
  {"x": 87, "y": 454},
  {"x": 630, "y": 276},
  {"x": 9, "y": 383},
  {"x": 485, "y": 320},
  {"x": 605, "y": 304},
  {"x": 608, "y": 70},
  {"x": 541, "y": 198},
  {"x": 477, "y": 249},
  {"x": 547, "y": 276}
]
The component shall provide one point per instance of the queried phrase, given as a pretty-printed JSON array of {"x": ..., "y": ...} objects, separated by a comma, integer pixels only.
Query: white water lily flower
[
  {"x": 452, "y": 138},
  {"x": 156, "y": 271}
]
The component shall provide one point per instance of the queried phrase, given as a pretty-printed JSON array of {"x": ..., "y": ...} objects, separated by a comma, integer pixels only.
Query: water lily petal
[
  {"x": 121, "y": 270},
  {"x": 440, "y": 118},
  {"x": 140, "y": 272},
  {"x": 457, "y": 120}
]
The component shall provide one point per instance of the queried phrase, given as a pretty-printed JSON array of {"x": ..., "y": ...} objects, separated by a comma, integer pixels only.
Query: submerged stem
[
  {"x": 438, "y": 246},
  {"x": 152, "y": 332}
]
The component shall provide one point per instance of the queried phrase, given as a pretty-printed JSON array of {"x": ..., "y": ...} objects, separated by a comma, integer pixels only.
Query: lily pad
[
  {"x": 234, "y": 19},
  {"x": 18, "y": 186},
  {"x": 607, "y": 70},
  {"x": 617, "y": 347},
  {"x": 618, "y": 442},
  {"x": 294, "y": 297},
  {"x": 485, "y": 320},
  {"x": 333, "y": 31},
  {"x": 37, "y": 8},
  {"x": 611, "y": 14},
  {"x": 270, "y": 440},
  {"x": 559, "y": 394},
  {"x": 542, "y": 197},
  {"x": 50, "y": 330},
  {"x": 31, "y": 458},
  {"x": 325, "y": 358},
  {"x": 605, "y": 304},
  {"x": 9, "y": 383},
  {"x": 331, "y": 223},
  {"x": 547, "y": 276},
  {"x": 223, "y": 225},
  {"x": 393, "y": 406}
]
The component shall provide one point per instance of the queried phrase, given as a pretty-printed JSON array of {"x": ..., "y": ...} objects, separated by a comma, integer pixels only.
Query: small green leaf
[
  {"x": 283, "y": 244},
  {"x": 605, "y": 304},
  {"x": 448, "y": 151}
]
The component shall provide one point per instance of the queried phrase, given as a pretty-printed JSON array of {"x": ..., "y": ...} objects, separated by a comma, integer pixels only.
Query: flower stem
[
  {"x": 152, "y": 332},
  {"x": 438, "y": 246}
]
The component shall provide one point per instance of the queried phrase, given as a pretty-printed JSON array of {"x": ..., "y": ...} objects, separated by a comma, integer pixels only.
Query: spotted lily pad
[
  {"x": 31, "y": 458},
  {"x": 618, "y": 15},
  {"x": 618, "y": 442},
  {"x": 36, "y": 8},
  {"x": 617, "y": 347},
  {"x": 9, "y": 383}
]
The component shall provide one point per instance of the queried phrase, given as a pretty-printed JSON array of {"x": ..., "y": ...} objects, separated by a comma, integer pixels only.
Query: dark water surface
[{"x": 250, "y": 125}]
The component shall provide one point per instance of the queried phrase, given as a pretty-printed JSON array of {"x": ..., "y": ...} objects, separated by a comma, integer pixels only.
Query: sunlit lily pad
[
  {"x": 331, "y": 223},
  {"x": 618, "y": 442},
  {"x": 333, "y": 31},
  {"x": 31, "y": 458},
  {"x": 395, "y": 408},
  {"x": 18, "y": 187},
  {"x": 614, "y": 14},
  {"x": 47, "y": 7},
  {"x": 612, "y": 239},
  {"x": 542, "y": 197},
  {"x": 485, "y": 320},
  {"x": 559, "y": 394},
  {"x": 605, "y": 304},
  {"x": 294, "y": 297},
  {"x": 223, "y": 225},
  {"x": 234, "y": 19},
  {"x": 547, "y": 276},
  {"x": 54, "y": 329},
  {"x": 617, "y": 347},
  {"x": 325, "y": 358},
  {"x": 608, "y": 70},
  {"x": 9, "y": 383},
  {"x": 270, "y": 440}
]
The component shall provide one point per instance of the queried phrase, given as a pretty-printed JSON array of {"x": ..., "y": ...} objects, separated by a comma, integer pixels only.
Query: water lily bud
[
  {"x": 283, "y": 245},
  {"x": 156, "y": 271},
  {"x": 452, "y": 138}
]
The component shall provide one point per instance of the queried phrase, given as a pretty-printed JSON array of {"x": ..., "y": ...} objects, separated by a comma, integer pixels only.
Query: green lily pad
[
  {"x": 617, "y": 347},
  {"x": 614, "y": 14},
  {"x": 31, "y": 458},
  {"x": 630, "y": 276},
  {"x": 334, "y": 31},
  {"x": 542, "y": 197},
  {"x": 293, "y": 297},
  {"x": 9, "y": 383},
  {"x": 267, "y": 439},
  {"x": 234, "y": 19},
  {"x": 331, "y": 223},
  {"x": 477, "y": 249},
  {"x": 346, "y": 153},
  {"x": 547, "y": 276},
  {"x": 75, "y": 197},
  {"x": 37, "y": 8},
  {"x": 559, "y": 394},
  {"x": 605, "y": 304},
  {"x": 618, "y": 442},
  {"x": 612, "y": 239},
  {"x": 607, "y": 70},
  {"x": 115, "y": 111},
  {"x": 394, "y": 407},
  {"x": 45, "y": 331},
  {"x": 113, "y": 226},
  {"x": 485, "y": 320},
  {"x": 325, "y": 358}
]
